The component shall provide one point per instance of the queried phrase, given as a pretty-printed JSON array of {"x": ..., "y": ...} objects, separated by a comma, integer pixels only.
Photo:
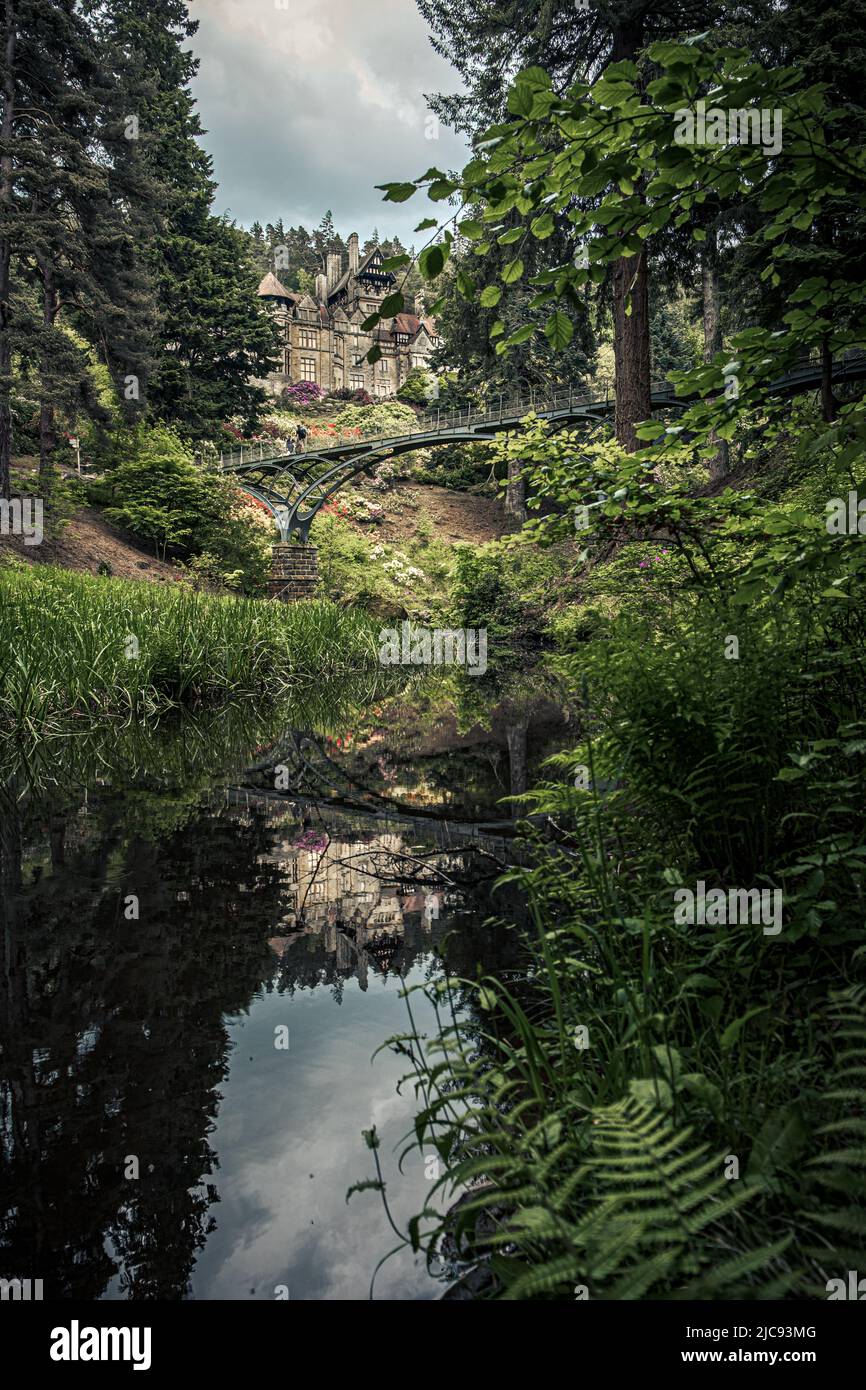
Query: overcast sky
[{"x": 309, "y": 107}]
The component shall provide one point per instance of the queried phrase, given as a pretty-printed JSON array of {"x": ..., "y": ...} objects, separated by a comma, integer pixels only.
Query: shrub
[
  {"x": 417, "y": 389},
  {"x": 459, "y": 466},
  {"x": 347, "y": 563},
  {"x": 302, "y": 393},
  {"x": 360, "y": 397},
  {"x": 388, "y": 417},
  {"x": 159, "y": 493},
  {"x": 505, "y": 588}
]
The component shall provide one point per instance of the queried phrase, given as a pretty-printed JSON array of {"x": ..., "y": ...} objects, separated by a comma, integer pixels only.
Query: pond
[{"x": 207, "y": 930}]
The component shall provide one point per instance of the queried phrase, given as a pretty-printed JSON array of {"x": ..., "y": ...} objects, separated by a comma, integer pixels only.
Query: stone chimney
[
  {"x": 322, "y": 288},
  {"x": 335, "y": 269},
  {"x": 354, "y": 253},
  {"x": 419, "y": 306}
]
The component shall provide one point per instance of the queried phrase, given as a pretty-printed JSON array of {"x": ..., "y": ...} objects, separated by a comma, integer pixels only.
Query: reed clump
[{"x": 73, "y": 646}]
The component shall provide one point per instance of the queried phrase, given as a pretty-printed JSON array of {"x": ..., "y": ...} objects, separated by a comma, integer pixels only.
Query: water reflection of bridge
[
  {"x": 300, "y": 762},
  {"x": 445, "y": 832}
]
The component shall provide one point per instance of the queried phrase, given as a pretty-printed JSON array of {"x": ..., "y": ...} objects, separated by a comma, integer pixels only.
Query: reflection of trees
[
  {"x": 113, "y": 1045},
  {"x": 112, "y": 1040},
  {"x": 111, "y": 1028}
]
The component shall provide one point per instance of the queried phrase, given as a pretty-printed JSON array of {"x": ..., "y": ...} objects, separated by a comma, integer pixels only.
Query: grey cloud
[{"x": 309, "y": 108}]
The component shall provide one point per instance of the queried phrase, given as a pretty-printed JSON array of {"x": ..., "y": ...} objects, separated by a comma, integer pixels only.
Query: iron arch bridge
[{"x": 295, "y": 487}]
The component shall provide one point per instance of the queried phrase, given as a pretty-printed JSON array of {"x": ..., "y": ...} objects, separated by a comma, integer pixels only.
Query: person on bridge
[
  {"x": 289, "y": 445},
  {"x": 302, "y": 435}
]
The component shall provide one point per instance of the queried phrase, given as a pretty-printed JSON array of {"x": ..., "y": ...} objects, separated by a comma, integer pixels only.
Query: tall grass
[{"x": 74, "y": 646}]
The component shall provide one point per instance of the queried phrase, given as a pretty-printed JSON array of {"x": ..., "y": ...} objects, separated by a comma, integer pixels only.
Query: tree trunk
[
  {"x": 515, "y": 493},
  {"x": 712, "y": 306},
  {"x": 631, "y": 347},
  {"x": 719, "y": 464},
  {"x": 631, "y": 292},
  {"x": 47, "y": 430},
  {"x": 829, "y": 404},
  {"x": 6, "y": 250}
]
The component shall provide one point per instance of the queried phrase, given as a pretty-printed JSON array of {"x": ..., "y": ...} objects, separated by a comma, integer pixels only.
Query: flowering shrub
[
  {"x": 268, "y": 430},
  {"x": 273, "y": 427},
  {"x": 360, "y": 508},
  {"x": 316, "y": 841},
  {"x": 354, "y": 507},
  {"x": 303, "y": 393},
  {"x": 401, "y": 571},
  {"x": 320, "y": 436},
  {"x": 384, "y": 475},
  {"x": 259, "y": 510},
  {"x": 334, "y": 509},
  {"x": 339, "y": 742}
]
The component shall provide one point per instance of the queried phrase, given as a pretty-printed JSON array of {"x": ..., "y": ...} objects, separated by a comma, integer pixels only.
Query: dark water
[{"x": 206, "y": 932}]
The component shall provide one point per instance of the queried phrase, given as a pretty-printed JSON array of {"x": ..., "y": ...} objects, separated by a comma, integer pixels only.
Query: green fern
[
  {"x": 839, "y": 1173},
  {"x": 656, "y": 1199}
]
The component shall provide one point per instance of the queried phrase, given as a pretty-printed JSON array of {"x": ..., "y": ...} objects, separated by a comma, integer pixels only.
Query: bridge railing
[
  {"x": 474, "y": 418},
  {"x": 432, "y": 422}
]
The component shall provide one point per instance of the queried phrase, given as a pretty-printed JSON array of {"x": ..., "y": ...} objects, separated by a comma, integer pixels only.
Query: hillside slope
[{"x": 89, "y": 540}]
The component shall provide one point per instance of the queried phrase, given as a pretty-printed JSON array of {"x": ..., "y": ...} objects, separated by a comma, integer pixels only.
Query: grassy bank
[{"x": 73, "y": 645}]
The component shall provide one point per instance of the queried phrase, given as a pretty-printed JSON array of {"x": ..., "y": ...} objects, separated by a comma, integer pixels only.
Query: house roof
[
  {"x": 412, "y": 325},
  {"x": 344, "y": 278},
  {"x": 271, "y": 287}
]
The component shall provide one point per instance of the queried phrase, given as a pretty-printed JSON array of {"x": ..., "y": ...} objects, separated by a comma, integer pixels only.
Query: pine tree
[
  {"x": 83, "y": 256},
  {"x": 65, "y": 241},
  {"x": 219, "y": 337},
  {"x": 214, "y": 332},
  {"x": 326, "y": 242}
]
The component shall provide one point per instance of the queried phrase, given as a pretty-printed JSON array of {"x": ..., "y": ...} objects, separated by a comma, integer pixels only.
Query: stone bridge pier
[{"x": 294, "y": 572}]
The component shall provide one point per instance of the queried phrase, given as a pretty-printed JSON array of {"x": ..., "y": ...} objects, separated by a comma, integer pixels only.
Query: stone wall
[{"x": 294, "y": 572}]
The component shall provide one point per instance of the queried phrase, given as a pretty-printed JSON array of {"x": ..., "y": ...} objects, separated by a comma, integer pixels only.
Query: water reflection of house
[
  {"x": 334, "y": 880},
  {"x": 386, "y": 916},
  {"x": 343, "y": 892}
]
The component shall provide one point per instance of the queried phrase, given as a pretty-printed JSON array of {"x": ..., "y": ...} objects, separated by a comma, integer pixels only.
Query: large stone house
[{"x": 322, "y": 336}]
